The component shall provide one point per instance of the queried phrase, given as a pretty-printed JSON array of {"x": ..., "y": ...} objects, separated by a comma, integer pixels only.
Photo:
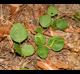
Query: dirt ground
[{"x": 68, "y": 58}]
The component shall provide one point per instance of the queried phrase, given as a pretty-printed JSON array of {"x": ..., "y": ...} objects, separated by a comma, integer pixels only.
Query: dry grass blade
[
  {"x": 45, "y": 66},
  {"x": 61, "y": 65},
  {"x": 15, "y": 5}
]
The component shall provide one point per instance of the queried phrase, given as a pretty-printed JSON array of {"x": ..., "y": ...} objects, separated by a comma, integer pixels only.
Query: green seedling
[
  {"x": 17, "y": 48},
  {"x": 42, "y": 52},
  {"x": 61, "y": 24},
  {"x": 39, "y": 30},
  {"x": 45, "y": 21},
  {"x": 56, "y": 43},
  {"x": 40, "y": 39},
  {"x": 27, "y": 50},
  {"x": 52, "y": 10},
  {"x": 24, "y": 50},
  {"x": 53, "y": 24},
  {"x": 18, "y": 32}
]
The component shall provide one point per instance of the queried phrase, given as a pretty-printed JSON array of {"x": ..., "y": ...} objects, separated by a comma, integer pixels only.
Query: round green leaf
[
  {"x": 52, "y": 10},
  {"x": 56, "y": 43},
  {"x": 43, "y": 51},
  {"x": 61, "y": 24},
  {"x": 27, "y": 50},
  {"x": 45, "y": 20},
  {"x": 39, "y": 30},
  {"x": 24, "y": 50},
  {"x": 40, "y": 39},
  {"x": 18, "y": 32}
]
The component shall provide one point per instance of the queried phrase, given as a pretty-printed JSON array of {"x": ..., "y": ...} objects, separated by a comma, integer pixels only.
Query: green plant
[
  {"x": 43, "y": 51},
  {"x": 52, "y": 10},
  {"x": 24, "y": 50},
  {"x": 40, "y": 39},
  {"x": 27, "y": 50},
  {"x": 17, "y": 48},
  {"x": 18, "y": 32},
  {"x": 45, "y": 21},
  {"x": 56, "y": 43},
  {"x": 61, "y": 24},
  {"x": 39, "y": 30}
]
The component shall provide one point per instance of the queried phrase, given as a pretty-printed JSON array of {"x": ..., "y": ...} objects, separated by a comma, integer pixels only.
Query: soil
[{"x": 28, "y": 14}]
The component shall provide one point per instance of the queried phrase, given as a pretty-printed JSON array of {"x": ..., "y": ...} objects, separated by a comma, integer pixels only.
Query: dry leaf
[{"x": 45, "y": 66}]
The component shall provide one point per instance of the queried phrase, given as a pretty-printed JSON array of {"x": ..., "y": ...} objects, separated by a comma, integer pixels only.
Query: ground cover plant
[{"x": 19, "y": 34}]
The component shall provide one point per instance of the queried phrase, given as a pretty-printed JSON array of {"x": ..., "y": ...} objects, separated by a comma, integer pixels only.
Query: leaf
[
  {"x": 17, "y": 48},
  {"x": 40, "y": 39},
  {"x": 45, "y": 21},
  {"x": 39, "y": 30},
  {"x": 15, "y": 5},
  {"x": 27, "y": 50},
  {"x": 43, "y": 51},
  {"x": 24, "y": 50},
  {"x": 53, "y": 24},
  {"x": 18, "y": 32},
  {"x": 56, "y": 43},
  {"x": 61, "y": 24},
  {"x": 52, "y": 10},
  {"x": 45, "y": 66}
]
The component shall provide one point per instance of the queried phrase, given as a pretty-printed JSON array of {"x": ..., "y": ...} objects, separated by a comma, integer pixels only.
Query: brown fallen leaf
[
  {"x": 45, "y": 66},
  {"x": 14, "y": 8},
  {"x": 15, "y": 5},
  {"x": 4, "y": 30}
]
